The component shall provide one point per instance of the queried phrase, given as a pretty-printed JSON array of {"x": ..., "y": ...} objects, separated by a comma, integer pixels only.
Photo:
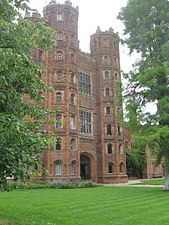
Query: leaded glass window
[
  {"x": 85, "y": 83},
  {"x": 85, "y": 122}
]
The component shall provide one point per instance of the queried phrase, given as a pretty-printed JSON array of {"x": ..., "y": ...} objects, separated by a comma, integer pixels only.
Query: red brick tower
[
  {"x": 91, "y": 143},
  {"x": 112, "y": 158},
  {"x": 62, "y": 74}
]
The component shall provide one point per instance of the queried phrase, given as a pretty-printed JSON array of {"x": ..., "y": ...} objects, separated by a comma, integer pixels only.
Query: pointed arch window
[
  {"x": 109, "y": 132},
  {"x": 110, "y": 168},
  {"x": 73, "y": 167},
  {"x": 72, "y": 78},
  {"x": 119, "y": 130},
  {"x": 120, "y": 148},
  {"x": 109, "y": 148},
  {"x": 72, "y": 99},
  {"x": 58, "y": 168},
  {"x": 72, "y": 122},
  {"x": 121, "y": 167},
  {"x": 73, "y": 144}
]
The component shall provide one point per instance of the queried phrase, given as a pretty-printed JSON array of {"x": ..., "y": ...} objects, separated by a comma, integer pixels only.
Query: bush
[
  {"x": 19, "y": 185},
  {"x": 61, "y": 184},
  {"x": 38, "y": 184},
  {"x": 86, "y": 184}
]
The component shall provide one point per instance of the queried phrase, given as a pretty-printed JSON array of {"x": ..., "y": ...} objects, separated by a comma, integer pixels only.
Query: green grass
[
  {"x": 154, "y": 181},
  {"x": 88, "y": 206}
]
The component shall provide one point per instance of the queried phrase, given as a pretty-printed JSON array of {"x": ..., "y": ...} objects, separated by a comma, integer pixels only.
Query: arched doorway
[{"x": 85, "y": 167}]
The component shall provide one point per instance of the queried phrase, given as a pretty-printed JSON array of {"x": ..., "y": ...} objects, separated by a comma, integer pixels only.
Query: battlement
[
  {"x": 110, "y": 32},
  {"x": 53, "y": 3}
]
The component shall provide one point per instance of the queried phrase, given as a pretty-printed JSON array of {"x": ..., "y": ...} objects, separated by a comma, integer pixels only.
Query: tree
[
  {"x": 22, "y": 123},
  {"x": 135, "y": 162},
  {"x": 147, "y": 33}
]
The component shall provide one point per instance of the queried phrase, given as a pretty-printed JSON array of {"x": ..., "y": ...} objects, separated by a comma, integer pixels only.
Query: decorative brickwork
[{"x": 85, "y": 86}]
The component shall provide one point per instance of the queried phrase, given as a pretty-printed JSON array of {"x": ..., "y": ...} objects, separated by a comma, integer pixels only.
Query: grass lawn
[
  {"x": 154, "y": 181},
  {"x": 88, "y": 206}
]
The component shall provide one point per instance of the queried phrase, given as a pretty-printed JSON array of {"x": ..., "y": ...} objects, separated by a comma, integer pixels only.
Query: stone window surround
[
  {"x": 58, "y": 167},
  {"x": 86, "y": 122}
]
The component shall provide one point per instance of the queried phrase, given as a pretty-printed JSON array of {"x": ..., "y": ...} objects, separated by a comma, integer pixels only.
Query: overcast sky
[{"x": 93, "y": 13}]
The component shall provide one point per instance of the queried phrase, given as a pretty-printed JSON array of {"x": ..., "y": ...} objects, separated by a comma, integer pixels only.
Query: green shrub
[
  {"x": 28, "y": 185},
  {"x": 38, "y": 184},
  {"x": 86, "y": 184},
  {"x": 61, "y": 184}
]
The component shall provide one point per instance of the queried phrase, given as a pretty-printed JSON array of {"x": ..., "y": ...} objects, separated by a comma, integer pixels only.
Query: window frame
[
  {"x": 73, "y": 168},
  {"x": 109, "y": 148},
  {"x": 110, "y": 168},
  {"x": 109, "y": 129},
  {"x": 86, "y": 122},
  {"x": 107, "y": 91},
  {"x": 85, "y": 83},
  {"x": 106, "y": 75},
  {"x": 58, "y": 122},
  {"x": 121, "y": 167},
  {"x": 72, "y": 99},
  {"x": 59, "y": 144},
  {"x": 73, "y": 144},
  {"x": 60, "y": 36},
  {"x": 59, "y": 17},
  {"x": 72, "y": 78},
  {"x": 58, "y": 168},
  {"x": 72, "y": 122},
  {"x": 59, "y": 55},
  {"x": 121, "y": 150},
  {"x": 108, "y": 110}
]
